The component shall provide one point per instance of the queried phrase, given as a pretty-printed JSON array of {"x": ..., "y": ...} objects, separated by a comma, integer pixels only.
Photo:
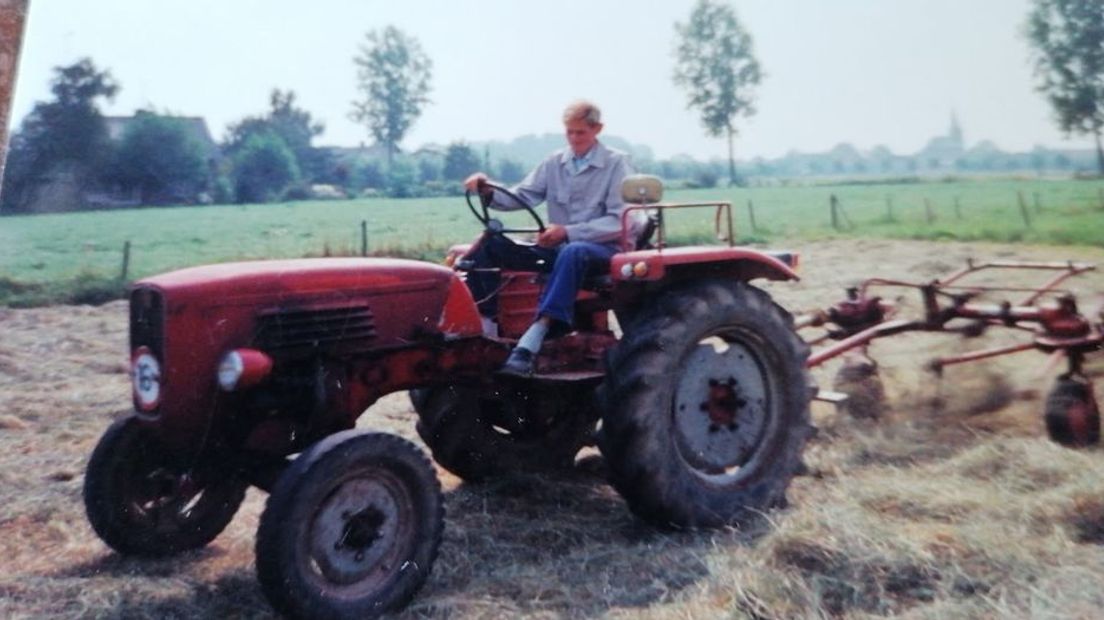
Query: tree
[
  {"x": 1067, "y": 41},
  {"x": 67, "y": 133},
  {"x": 369, "y": 174},
  {"x": 714, "y": 61},
  {"x": 510, "y": 171},
  {"x": 161, "y": 158},
  {"x": 429, "y": 170},
  {"x": 263, "y": 169},
  {"x": 292, "y": 124},
  {"x": 393, "y": 76},
  {"x": 402, "y": 180},
  {"x": 460, "y": 161}
]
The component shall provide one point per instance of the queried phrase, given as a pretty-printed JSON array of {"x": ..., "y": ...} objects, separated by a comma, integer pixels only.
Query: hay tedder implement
[{"x": 1048, "y": 316}]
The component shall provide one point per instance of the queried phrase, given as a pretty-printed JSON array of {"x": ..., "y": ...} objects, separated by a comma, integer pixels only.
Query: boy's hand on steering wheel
[
  {"x": 477, "y": 183},
  {"x": 552, "y": 236}
]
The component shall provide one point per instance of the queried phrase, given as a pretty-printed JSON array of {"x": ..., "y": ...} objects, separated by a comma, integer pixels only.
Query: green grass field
[{"x": 45, "y": 249}]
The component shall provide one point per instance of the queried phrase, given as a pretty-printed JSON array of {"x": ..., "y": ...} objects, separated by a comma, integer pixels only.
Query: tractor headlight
[
  {"x": 242, "y": 368},
  {"x": 638, "y": 269}
]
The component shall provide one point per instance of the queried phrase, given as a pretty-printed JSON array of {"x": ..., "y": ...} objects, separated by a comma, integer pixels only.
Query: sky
[{"x": 868, "y": 72}]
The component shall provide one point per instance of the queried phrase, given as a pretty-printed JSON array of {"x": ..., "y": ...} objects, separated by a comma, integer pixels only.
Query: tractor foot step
[
  {"x": 828, "y": 396},
  {"x": 574, "y": 376}
]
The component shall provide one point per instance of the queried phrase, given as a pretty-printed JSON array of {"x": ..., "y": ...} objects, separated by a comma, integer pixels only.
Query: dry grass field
[{"x": 953, "y": 506}]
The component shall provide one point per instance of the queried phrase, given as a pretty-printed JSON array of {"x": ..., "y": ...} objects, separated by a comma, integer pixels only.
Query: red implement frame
[{"x": 1057, "y": 328}]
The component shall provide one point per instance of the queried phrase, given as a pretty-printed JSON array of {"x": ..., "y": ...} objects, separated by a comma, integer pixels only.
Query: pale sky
[{"x": 867, "y": 72}]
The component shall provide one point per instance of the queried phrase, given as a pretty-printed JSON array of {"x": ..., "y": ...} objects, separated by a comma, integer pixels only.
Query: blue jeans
[{"x": 569, "y": 264}]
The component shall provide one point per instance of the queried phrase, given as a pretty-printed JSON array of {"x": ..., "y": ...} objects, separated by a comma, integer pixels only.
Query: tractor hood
[
  {"x": 300, "y": 314},
  {"x": 277, "y": 278},
  {"x": 405, "y": 298}
]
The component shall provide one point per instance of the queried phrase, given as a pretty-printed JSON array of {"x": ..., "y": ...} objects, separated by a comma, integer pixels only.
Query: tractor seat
[{"x": 636, "y": 190}]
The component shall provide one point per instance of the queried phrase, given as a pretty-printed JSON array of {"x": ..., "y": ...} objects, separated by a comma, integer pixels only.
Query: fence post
[
  {"x": 1038, "y": 204},
  {"x": 958, "y": 209},
  {"x": 834, "y": 204},
  {"x": 126, "y": 261},
  {"x": 364, "y": 237},
  {"x": 889, "y": 208},
  {"x": 751, "y": 216},
  {"x": 1023, "y": 209},
  {"x": 929, "y": 214}
]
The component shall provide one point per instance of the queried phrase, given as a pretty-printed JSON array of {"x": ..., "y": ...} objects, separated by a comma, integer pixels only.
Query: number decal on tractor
[{"x": 146, "y": 375}]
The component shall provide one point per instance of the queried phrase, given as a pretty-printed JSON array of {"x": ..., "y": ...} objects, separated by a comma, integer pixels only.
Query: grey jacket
[{"x": 588, "y": 203}]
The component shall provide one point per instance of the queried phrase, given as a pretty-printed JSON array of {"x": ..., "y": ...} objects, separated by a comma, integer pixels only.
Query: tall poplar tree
[
  {"x": 715, "y": 63},
  {"x": 393, "y": 75}
]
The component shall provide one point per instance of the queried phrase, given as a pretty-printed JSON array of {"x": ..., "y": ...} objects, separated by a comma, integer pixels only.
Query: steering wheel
[{"x": 494, "y": 225}]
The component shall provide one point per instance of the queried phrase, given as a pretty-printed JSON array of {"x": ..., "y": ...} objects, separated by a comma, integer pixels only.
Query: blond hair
[{"x": 583, "y": 110}]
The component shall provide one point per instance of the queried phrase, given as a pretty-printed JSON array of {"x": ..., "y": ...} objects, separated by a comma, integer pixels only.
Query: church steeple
[{"x": 955, "y": 132}]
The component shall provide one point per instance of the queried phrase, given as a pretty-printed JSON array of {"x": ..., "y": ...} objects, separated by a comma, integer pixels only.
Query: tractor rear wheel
[
  {"x": 479, "y": 435},
  {"x": 141, "y": 501},
  {"x": 1072, "y": 415},
  {"x": 706, "y": 407},
  {"x": 351, "y": 529}
]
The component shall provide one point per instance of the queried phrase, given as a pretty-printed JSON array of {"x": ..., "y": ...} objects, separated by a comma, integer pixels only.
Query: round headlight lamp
[{"x": 242, "y": 368}]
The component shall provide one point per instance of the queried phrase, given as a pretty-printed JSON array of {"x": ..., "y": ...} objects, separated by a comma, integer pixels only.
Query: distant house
[
  {"x": 196, "y": 125},
  {"x": 117, "y": 127},
  {"x": 360, "y": 154},
  {"x": 70, "y": 187}
]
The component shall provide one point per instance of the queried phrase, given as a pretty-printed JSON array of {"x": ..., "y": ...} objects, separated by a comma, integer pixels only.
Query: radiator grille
[
  {"x": 347, "y": 328},
  {"x": 147, "y": 319}
]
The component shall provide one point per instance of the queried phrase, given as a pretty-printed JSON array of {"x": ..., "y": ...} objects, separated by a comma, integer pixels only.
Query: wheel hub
[
  {"x": 721, "y": 406},
  {"x": 163, "y": 499},
  {"x": 357, "y": 531},
  {"x": 362, "y": 530}
]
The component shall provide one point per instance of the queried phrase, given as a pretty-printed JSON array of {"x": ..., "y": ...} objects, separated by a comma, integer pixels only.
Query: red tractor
[{"x": 255, "y": 373}]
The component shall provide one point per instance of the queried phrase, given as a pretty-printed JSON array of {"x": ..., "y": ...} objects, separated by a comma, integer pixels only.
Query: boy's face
[{"x": 581, "y": 135}]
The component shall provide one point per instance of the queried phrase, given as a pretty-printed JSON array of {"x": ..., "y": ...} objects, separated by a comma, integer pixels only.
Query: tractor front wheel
[
  {"x": 706, "y": 407},
  {"x": 141, "y": 501},
  {"x": 351, "y": 528}
]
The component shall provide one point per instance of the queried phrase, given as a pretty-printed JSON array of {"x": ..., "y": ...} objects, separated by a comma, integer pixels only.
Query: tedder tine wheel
[
  {"x": 1072, "y": 415},
  {"x": 859, "y": 379},
  {"x": 706, "y": 406},
  {"x": 351, "y": 529}
]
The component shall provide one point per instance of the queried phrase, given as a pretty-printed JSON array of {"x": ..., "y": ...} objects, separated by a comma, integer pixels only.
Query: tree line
[
  {"x": 64, "y": 143},
  {"x": 63, "y": 157}
]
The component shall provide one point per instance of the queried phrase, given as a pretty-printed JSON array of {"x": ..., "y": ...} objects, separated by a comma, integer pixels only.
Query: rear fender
[{"x": 680, "y": 263}]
